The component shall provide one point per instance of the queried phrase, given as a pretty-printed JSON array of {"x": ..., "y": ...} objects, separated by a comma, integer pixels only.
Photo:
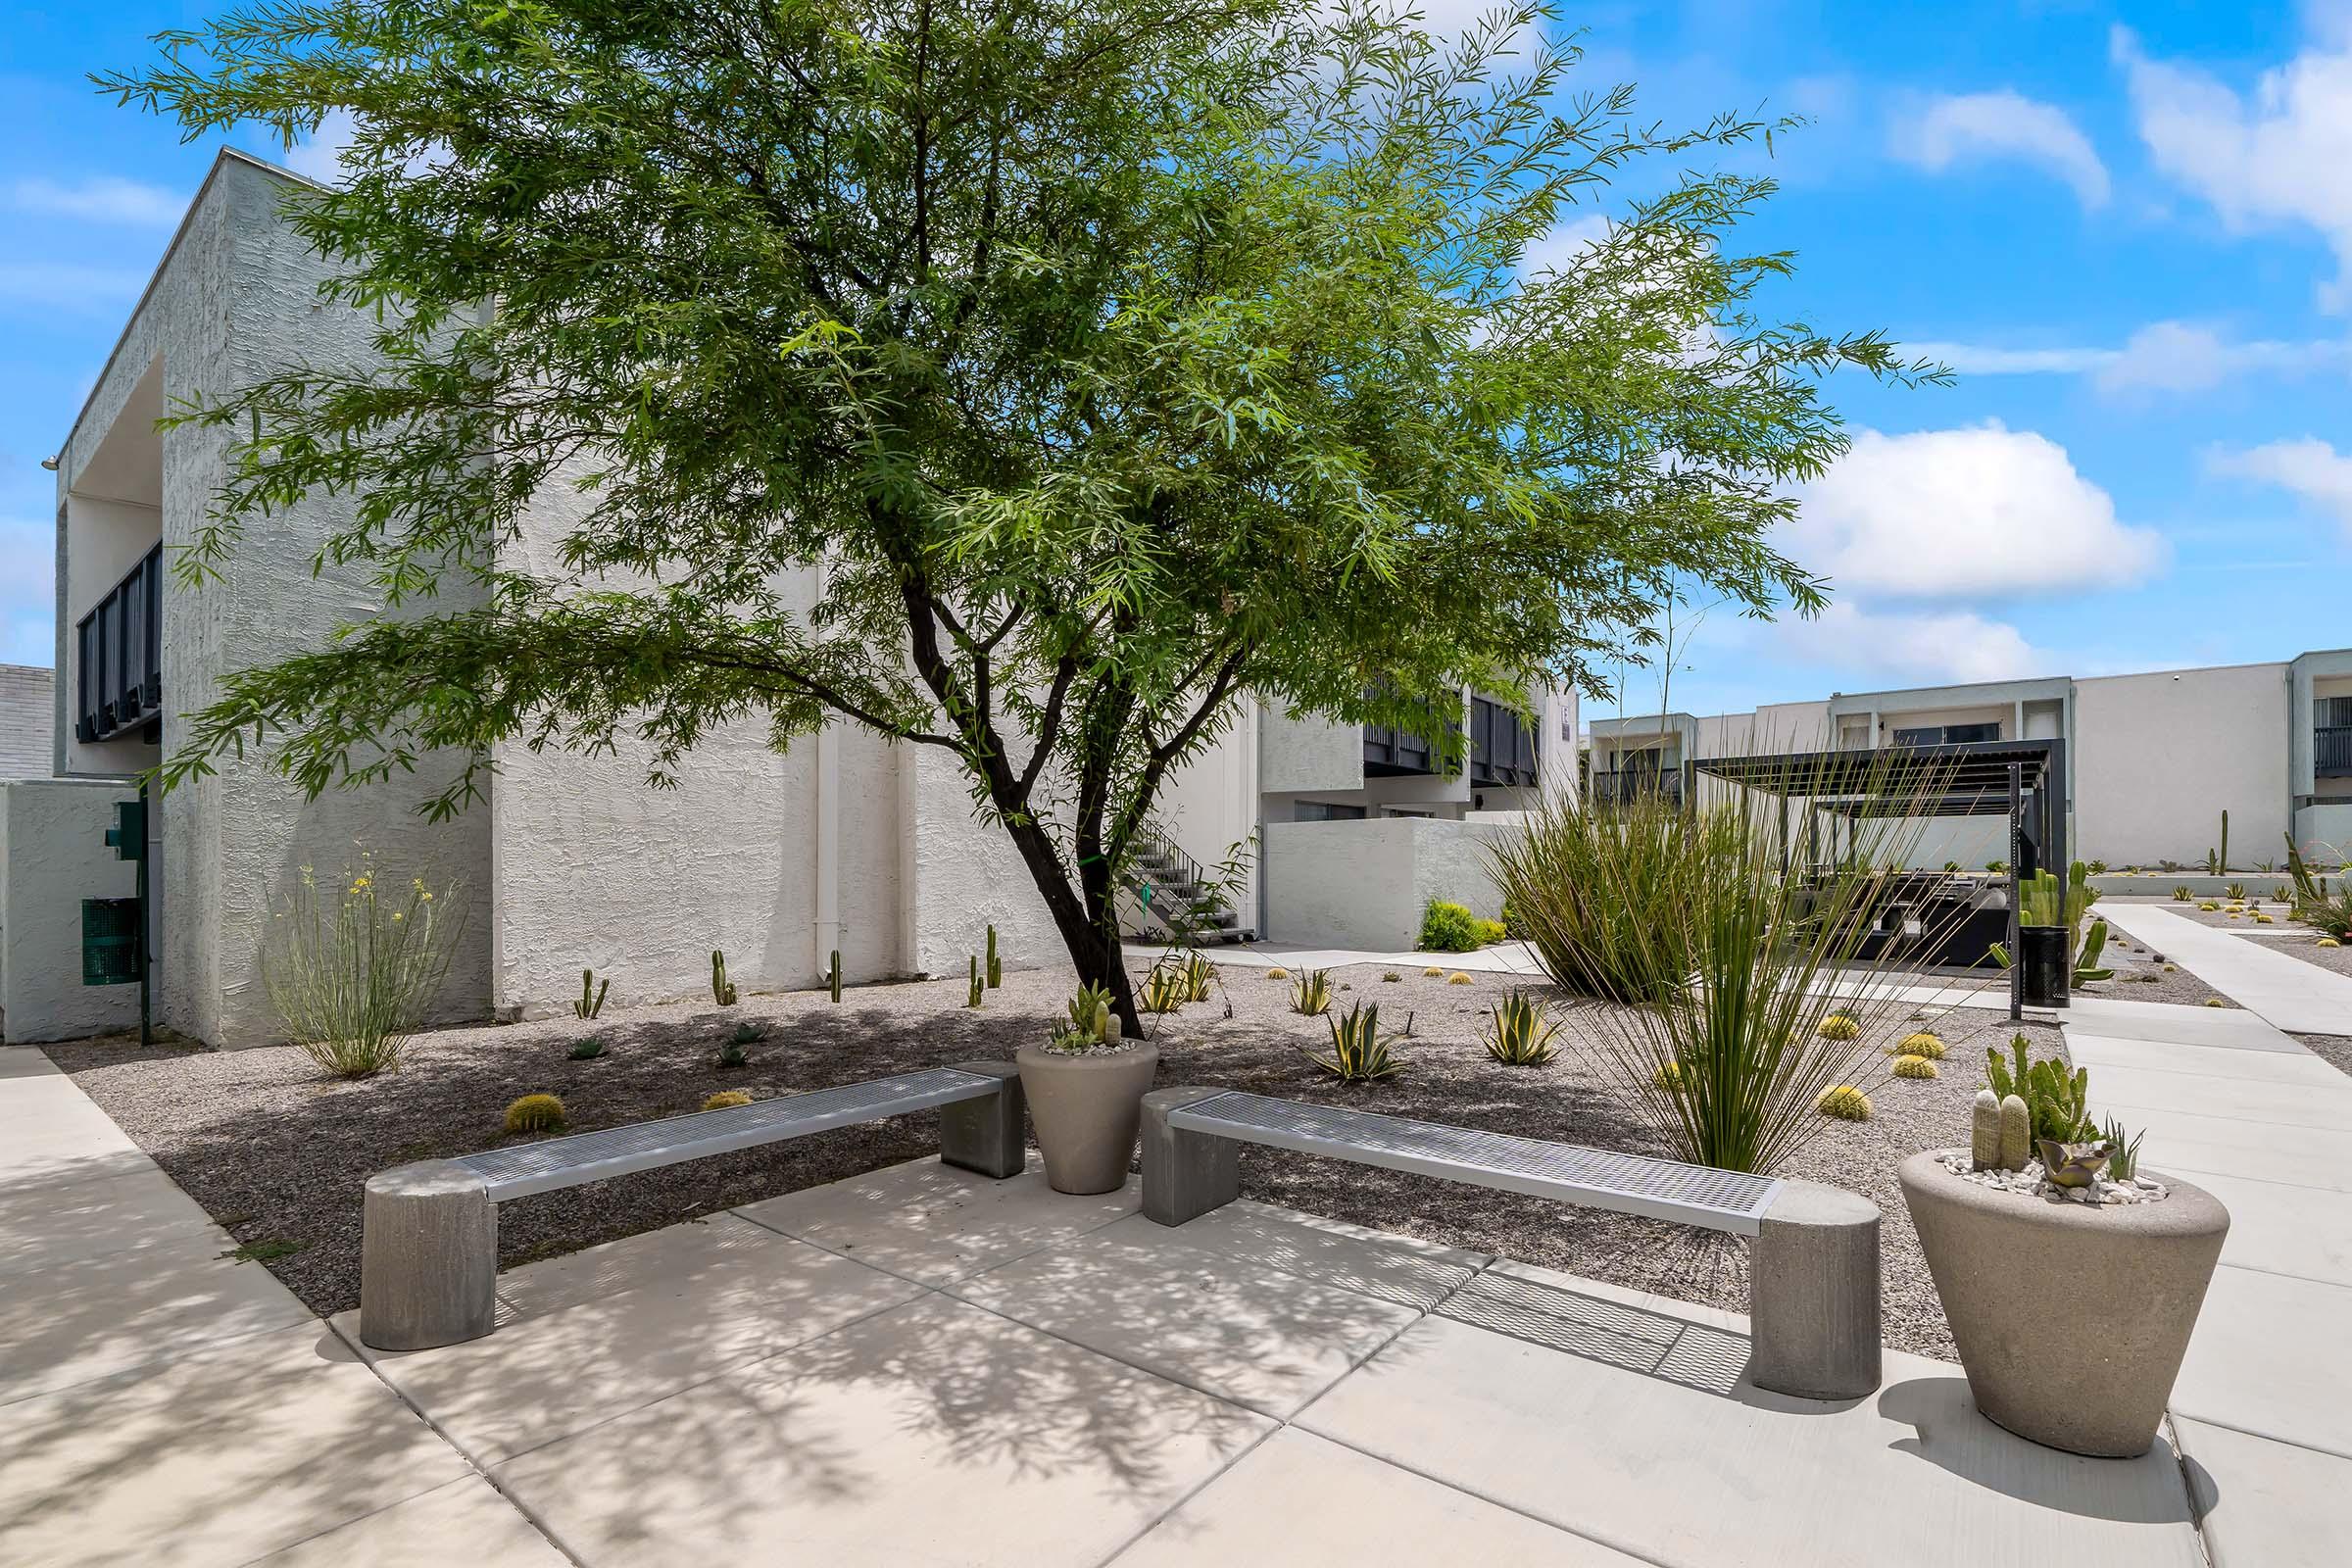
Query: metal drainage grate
[
  {"x": 528, "y": 1168},
  {"x": 1634, "y": 1184}
]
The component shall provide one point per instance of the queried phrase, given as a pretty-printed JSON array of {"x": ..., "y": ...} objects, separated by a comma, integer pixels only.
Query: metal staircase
[{"x": 1180, "y": 907}]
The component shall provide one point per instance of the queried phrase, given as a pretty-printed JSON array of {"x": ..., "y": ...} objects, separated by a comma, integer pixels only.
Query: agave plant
[
  {"x": 1359, "y": 1051},
  {"x": 1522, "y": 1033},
  {"x": 1311, "y": 995},
  {"x": 1199, "y": 978},
  {"x": 1163, "y": 990}
]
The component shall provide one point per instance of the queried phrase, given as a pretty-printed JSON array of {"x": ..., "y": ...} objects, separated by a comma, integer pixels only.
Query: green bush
[
  {"x": 1597, "y": 891},
  {"x": 1450, "y": 929}
]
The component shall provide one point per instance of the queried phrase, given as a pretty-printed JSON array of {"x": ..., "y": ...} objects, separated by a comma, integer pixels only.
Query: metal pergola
[{"x": 2023, "y": 780}]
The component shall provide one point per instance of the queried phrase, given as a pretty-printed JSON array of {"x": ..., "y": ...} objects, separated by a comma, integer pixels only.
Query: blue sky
[{"x": 2128, "y": 228}]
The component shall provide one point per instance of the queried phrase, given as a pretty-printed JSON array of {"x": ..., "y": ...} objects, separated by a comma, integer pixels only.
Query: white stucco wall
[
  {"x": 1307, "y": 754},
  {"x": 958, "y": 875},
  {"x": 53, "y": 855},
  {"x": 2157, "y": 757},
  {"x": 1364, "y": 884}
]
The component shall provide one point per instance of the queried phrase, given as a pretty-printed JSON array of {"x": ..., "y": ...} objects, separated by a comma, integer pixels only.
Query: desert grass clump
[
  {"x": 1522, "y": 1032},
  {"x": 1921, "y": 1044},
  {"x": 535, "y": 1113},
  {"x": 351, "y": 969},
  {"x": 1916, "y": 1067},
  {"x": 1844, "y": 1103},
  {"x": 1595, "y": 893},
  {"x": 1311, "y": 995},
  {"x": 1839, "y": 1026},
  {"x": 1359, "y": 1051}
]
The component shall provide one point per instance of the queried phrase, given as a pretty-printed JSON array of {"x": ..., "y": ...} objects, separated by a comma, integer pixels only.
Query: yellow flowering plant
[{"x": 351, "y": 969}]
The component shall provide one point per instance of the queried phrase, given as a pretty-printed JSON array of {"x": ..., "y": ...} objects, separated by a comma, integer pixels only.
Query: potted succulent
[
  {"x": 2070, "y": 1276},
  {"x": 1084, "y": 1089}
]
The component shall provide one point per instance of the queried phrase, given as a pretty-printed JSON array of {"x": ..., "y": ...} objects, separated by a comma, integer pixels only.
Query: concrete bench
[
  {"x": 429, "y": 1250},
  {"x": 1813, "y": 1273}
]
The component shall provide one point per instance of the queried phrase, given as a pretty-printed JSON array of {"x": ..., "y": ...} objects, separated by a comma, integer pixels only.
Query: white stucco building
[
  {"x": 2153, "y": 759},
  {"x": 844, "y": 842}
]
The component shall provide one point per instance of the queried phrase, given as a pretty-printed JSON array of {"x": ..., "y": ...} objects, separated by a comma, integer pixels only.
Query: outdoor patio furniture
[
  {"x": 428, "y": 1253},
  {"x": 1813, "y": 1272}
]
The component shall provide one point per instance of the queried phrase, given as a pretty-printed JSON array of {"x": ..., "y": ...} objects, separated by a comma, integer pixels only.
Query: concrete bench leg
[
  {"x": 428, "y": 1257},
  {"x": 1185, "y": 1174},
  {"x": 1813, "y": 1294},
  {"x": 986, "y": 1135}
]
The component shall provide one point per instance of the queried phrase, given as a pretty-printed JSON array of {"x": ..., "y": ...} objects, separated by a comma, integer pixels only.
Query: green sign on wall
[{"x": 109, "y": 942}]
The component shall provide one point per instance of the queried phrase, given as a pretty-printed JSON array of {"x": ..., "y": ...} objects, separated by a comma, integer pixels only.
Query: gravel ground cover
[
  {"x": 278, "y": 1154},
  {"x": 2266, "y": 904},
  {"x": 2336, "y": 958},
  {"x": 2334, "y": 1050}
]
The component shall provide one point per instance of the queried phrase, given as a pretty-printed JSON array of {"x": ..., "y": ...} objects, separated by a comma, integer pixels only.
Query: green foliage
[
  {"x": 995, "y": 965},
  {"x": 2086, "y": 961},
  {"x": 2122, "y": 1152},
  {"x": 1112, "y": 362},
  {"x": 1089, "y": 1012},
  {"x": 747, "y": 1033},
  {"x": 592, "y": 1002},
  {"x": 2097, "y": 868},
  {"x": 2055, "y": 1103},
  {"x": 587, "y": 1050},
  {"x": 1450, "y": 929},
  {"x": 1522, "y": 1032},
  {"x": 351, "y": 969},
  {"x": 1359, "y": 1051},
  {"x": 2235, "y": 892},
  {"x": 1163, "y": 990},
  {"x": 535, "y": 1113},
  {"x": 1513, "y": 923},
  {"x": 722, "y": 990},
  {"x": 267, "y": 1250},
  {"x": 1844, "y": 1103},
  {"x": 1311, "y": 995}
]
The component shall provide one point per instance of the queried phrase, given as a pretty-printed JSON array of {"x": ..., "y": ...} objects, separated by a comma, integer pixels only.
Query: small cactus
[
  {"x": 535, "y": 1113},
  {"x": 2208, "y": 905},
  {"x": 587, "y": 1050},
  {"x": 726, "y": 1099},
  {"x": 749, "y": 1033},
  {"x": 1390, "y": 977},
  {"x": 1278, "y": 972},
  {"x": 1433, "y": 972},
  {"x": 1922, "y": 1044},
  {"x": 592, "y": 1002},
  {"x": 1839, "y": 1026},
  {"x": 2017, "y": 1132},
  {"x": 2323, "y": 942},
  {"x": 1457, "y": 978},
  {"x": 1915, "y": 1067},
  {"x": 1985, "y": 1131},
  {"x": 995, "y": 965},
  {"x": 2215, "y": 1002},
  {"x": 2264, "y": 919},
  {"x": 833, "y": 976},
  {"x": 722, "y": 990},
  {"x": 976, "y": 990},
  {"x": 1844, "y": 1102}
]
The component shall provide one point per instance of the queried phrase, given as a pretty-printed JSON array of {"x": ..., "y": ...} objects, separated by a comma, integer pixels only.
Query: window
[
  {"x": 1931, "y": 736},
  {"x": 1326, "y": 812},
  {"x": 1947, "y": 734}
]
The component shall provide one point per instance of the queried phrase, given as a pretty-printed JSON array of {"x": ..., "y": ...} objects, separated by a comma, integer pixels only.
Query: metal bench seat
[
  {"x": 429, "y": 1249},
  {"x": 1631, "y": 1183},
  {"x": 1813, "y": 1268}
]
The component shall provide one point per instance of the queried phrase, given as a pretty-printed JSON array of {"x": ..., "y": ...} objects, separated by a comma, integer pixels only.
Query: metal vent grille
[
  {"x": 1697, "y": 1194},
  {"x": 541, "y": 1167}
]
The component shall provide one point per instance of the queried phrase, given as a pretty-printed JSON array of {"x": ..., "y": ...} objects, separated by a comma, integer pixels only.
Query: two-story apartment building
[{"x": 2154, "y": 759}]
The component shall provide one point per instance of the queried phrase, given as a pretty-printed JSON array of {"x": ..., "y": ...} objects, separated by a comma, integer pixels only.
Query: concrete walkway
[
  {"x": 2300, "y": 998},
  {"x": 163, "y": 1405},
  {"x": 2263, "y": 1410}
]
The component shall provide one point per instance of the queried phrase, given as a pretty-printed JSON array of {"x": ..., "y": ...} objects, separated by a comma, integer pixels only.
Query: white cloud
[
  {"x": 2162, "y": 357},
  {"x": 102, "y": 198},
  {"x": 1563, "y": 243},
  {"x": 321, "y": 157},
  {"x": 1952, "y": 646},
  {"x": 2281, "y": 154},
  {"x": 2308, "y": 467},
  {"x": 1964, "y": 127},
  {"x": 1962, "y": 514}
]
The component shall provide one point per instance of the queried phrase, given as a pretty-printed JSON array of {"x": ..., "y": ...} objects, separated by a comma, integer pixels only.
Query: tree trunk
[{"x": 1094, "y": 950}]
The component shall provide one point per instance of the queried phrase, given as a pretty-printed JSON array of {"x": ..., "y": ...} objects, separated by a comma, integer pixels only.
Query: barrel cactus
[
  {"x": 1914, "y": 1067},
  {"x": 1920, "y": 1044},
  {"x": 1839, "y": 1026},
  {"x": 727, "y": 1100},
  {"x": 2016, "y": 1132},
  {"x": 535, "y": 1113},
  {"x": 1844, "y": 1101}
]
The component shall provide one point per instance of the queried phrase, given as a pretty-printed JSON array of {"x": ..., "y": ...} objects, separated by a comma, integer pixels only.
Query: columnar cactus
[
  {"x": 833, "y": 976},
  {"x": 722, "y": 990},
  {"x": 974, "y": 991},
  {"x": 995, "y": 965},
  {"x": 2016, "y": 1132},
  {"x": 1984, "y": 1132}
]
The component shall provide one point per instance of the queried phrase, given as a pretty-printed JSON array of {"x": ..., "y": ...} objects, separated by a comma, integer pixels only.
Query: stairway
[{"x": 1174, "y": 879}]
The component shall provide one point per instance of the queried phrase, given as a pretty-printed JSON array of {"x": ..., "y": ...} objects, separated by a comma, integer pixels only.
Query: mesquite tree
[{"x": 1109, "y": 361}]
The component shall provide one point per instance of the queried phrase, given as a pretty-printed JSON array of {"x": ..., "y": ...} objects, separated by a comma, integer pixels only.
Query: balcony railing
[
  {"x": 1393, "y": 751},
  {"x": 119, "y": 646},
  {"x": 1503, "y": 750},
  {"x": 1635, "y": 784},
  {"x": 2332, "y": 750}
]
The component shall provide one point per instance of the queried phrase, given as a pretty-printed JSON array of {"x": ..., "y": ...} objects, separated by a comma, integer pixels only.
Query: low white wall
[
  {"x": 1364, "y": 884},
  {"x": 53, "y": 855},
  {"x": 2324, "y": 831}
]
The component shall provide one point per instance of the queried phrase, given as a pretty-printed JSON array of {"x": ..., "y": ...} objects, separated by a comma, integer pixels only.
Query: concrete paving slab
[
  {"x": 2196, "y": 1146},
  {"x": 2170, "y": 1022},
  {"x": 935, "y": 1223},
  {"x": 1227, "y": 1327},
  {"x": 2267, "y": 1504},
  {"x": 932, "y": 1433},
  {"x": 464, "y": 1522},
  {"x": 93, "y": 1316},
  {"x": 43, "y": 1227},
  {"x": 2269, "y": 1358},
  {"x": 1327, "y": 1252},
  {"x": 2297, "y": 997},
  {"x": 218, "y": 1458},
  {"x": 584, "y": 1338},
  {"x": 2299, "y": 1066},
  {"x": 1675, "y": 1475},
  {"x": 2275, "y": 1105},
  {"x": 1306, "y": 1502},
  {"x": 2284, "y": 1229}
]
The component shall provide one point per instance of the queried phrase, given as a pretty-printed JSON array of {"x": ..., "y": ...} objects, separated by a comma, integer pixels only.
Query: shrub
[
  {"x": 1450, "y": 929},
  {"x": 1200, "y": 977},
  {"x": 1522, "y": 1032},
  {"x": 1595, "y": 891},
  {"x": 1922, "y": 1044},
  {"x": 1844, "y": 1101},
  {"x": 1839, "y": 1026},
  {"x": 1915, "y": 1067},
  {"x": 1513, "y": 923},
  {"x": 1491, "y": 932},
  {"x": 1359, "y": 1051},
  {"x": 1089, "y": 1017},
  {"x": 587, "y": 1050},
  {"x": 352, "y": 971},
  {"x": 725, "y": 1099},
  {"x": 535, "y": 1113}
]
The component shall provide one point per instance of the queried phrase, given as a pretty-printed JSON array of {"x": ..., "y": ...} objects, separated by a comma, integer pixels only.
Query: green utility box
[{"x": 109, "y": 942}]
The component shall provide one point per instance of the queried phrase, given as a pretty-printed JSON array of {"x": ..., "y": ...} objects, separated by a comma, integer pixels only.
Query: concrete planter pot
[
  {"x": 1085, "y": 1110},
  {"x": 2071, "y": 1322}
]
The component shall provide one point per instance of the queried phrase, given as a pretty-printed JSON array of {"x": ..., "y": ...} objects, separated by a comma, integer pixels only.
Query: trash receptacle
[{"x": 2046, "y": 962}]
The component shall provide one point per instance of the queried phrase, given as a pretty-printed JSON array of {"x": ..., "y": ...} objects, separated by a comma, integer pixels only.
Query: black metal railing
[
  {"x": 1503, "y": 750},
  {"x": 119, "y": 649},
  {"x": 1395, "y": 751},
  {"x": 1624, "y": 788},
  {"x": 2332, "y": 750}
]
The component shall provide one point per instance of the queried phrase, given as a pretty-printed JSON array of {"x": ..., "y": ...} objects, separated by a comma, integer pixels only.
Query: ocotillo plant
[
  {"x": 995, "y": 965},
  {"x": 590, "y": 1003}
]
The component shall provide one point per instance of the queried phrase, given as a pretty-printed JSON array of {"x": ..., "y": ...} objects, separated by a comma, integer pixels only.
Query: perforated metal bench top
[
  {"x": 1631, "y": 1183},
  {"x": 542, "y": 1167}
]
